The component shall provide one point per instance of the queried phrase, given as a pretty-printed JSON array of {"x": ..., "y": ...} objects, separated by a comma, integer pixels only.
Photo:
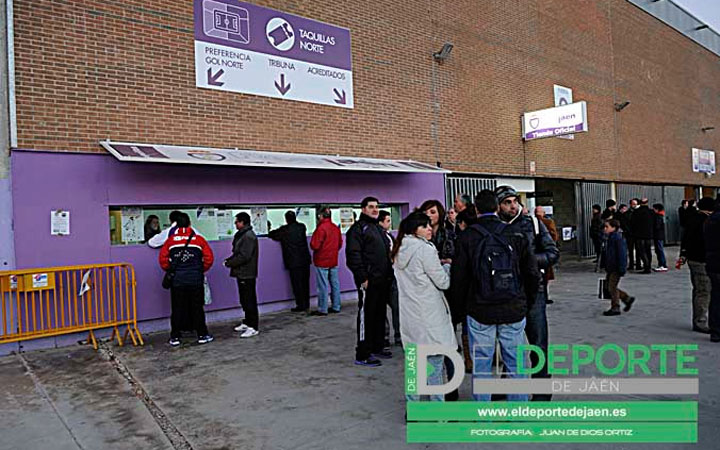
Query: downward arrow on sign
[
  {"x": 213, "y": 79},
  {"x": 282, "y": 87},
  {"x": 341, "y": 99}
]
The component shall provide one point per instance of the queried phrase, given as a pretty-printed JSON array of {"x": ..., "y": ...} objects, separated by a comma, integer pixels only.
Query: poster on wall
[
  {"x": 563, "y": 96},
  {"x": 225, "y": 223},
  {"x": 703, "y": 161},
  {"x": 258, "y": 217},
  {"x": 206, "y": 222},
  {"x": 567, "y": 233},
  {"x": 131, "y": 224},
  {"x": 59, "y": 222},
  {"x": 346, "y": 219}
]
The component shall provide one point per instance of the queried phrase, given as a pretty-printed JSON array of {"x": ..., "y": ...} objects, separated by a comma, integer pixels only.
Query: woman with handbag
[{"x": 185, "y": 257}]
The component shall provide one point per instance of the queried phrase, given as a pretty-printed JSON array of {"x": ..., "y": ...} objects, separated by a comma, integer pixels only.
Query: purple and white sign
[
  {"x": 241, "y": 47},
  {"x": 557, "y": 121},
  {"x": 703, "y": 161}
]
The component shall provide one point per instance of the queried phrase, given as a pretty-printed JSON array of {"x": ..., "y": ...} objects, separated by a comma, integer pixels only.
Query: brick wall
[{"x": 90, "y": 70}]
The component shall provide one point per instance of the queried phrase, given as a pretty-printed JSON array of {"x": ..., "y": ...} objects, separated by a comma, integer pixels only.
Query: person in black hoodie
[
  {"x": 596, "y": 224},
  {"x": 712, "y": 266},
  {"x": 614, "y": 260},
  {"x": 642, "y": 224},
  {"x": 367, "y": 255},
  {"x": 296, "y": 256},
  {"x": 692, "y": 251},
  {"x": 659, "y": 237},
  {"x": 487, "y": 318}
]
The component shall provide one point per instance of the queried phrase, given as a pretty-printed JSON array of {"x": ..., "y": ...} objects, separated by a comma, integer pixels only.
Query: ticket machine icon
[{"x": 225, "y": 21}]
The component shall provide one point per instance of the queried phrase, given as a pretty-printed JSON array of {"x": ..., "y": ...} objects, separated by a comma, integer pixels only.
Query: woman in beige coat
[{"x": 424, "y": 312}]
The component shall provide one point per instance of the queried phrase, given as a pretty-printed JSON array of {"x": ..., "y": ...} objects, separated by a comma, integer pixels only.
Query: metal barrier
[{"x": 39, "y": 303}]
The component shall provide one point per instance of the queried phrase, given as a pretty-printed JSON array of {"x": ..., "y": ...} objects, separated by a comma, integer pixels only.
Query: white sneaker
[
  {"x": 250, "y": 332},
  {"x": 242, "y": 327}
]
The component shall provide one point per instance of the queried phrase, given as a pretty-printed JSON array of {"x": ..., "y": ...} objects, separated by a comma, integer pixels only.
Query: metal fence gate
[
  {"x": 586, "y": 195},
  {"x": 466, "y": 185}
]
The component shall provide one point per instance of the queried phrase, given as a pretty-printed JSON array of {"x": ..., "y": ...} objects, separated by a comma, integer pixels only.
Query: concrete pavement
[{"x": 295, "y": 386}]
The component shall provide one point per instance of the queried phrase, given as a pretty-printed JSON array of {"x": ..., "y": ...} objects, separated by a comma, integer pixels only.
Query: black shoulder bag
[{"x": 167, "y": 281}]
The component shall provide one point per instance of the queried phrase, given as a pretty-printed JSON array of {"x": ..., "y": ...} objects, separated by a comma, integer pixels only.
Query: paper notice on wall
[
  {"x": 567, "y": 233},
  {"x": 205, "y": 223},
  {"x": 258, "y": 217},
  {"x": 59, "y": 222},
  {"x": 224, "y": 223},
  {"x": 131, "y": 224},
  {"x": 346, "y": 219},
  {"x": 548, "y": 210}
]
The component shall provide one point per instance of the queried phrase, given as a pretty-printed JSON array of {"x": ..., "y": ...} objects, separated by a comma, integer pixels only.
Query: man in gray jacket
[{"x": 243, "y": 264}]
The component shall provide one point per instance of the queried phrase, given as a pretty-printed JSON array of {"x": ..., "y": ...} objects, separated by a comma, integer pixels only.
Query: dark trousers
[
  {"x": 536, "y": 330},
  {"x": 714, "y": 315},
  {"x": 372, "y": 307},
  {"x": 643, "y": 248},
  {"x": 248, "y": 301},
  {"x": 616, "y": 294},
  {"x": 187, "y": 303},
  {"x": 597, "y": 244},
  {"x": 630, "y": 241},
  {"x": 394, "y": 311},
  {"x": 300, "y": 281}
]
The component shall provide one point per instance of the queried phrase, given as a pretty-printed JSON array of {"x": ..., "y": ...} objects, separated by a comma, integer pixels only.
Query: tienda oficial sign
[{"x": 558, "y": 121}]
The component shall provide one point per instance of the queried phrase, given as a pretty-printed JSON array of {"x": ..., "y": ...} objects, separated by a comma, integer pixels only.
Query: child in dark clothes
[{"x": 614, "y": 261}]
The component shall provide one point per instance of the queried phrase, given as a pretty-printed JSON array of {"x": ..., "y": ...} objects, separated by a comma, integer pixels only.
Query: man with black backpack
[
  {"x": 496, "y": 276},
  {"x": 546, "y": 254}
]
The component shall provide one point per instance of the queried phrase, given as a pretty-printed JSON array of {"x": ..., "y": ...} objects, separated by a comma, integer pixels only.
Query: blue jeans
[
  {"x": 660, "y": 253},
  {"x": 327, "y": 277},
  {"x": 434, "y": 379},
  {"x": 482, "y": 351},
  {"x": 536, "y": 329}
]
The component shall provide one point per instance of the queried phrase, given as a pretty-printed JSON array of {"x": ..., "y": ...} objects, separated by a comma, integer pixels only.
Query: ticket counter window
[{"x": 128, "y": 223}]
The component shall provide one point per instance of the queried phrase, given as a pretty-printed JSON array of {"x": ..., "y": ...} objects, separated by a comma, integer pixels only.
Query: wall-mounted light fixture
[
  {"x": 621, "y": 106},
  {"x": 444, "y": 52},
  {"x": 706, "y": 129}
]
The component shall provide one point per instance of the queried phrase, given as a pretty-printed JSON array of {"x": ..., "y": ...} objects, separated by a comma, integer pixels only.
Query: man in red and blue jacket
[{"x": 188, "y": 256}]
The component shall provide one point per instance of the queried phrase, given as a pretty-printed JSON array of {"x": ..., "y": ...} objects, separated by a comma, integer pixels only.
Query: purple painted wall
[{"x": 86, "y": 184}]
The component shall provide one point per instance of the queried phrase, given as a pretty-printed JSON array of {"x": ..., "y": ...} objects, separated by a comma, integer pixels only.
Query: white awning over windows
[{"x": 124, "y": 151}]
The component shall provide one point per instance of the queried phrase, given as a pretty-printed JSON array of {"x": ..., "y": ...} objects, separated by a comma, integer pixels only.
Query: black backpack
[{"x": 496, "y": 268}]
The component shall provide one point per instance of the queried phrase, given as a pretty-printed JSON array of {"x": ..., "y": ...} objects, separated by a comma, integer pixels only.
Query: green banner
[
  {"x": 411, "y": 369},
  {"x": 636, "y": 411},
  {"x": 676, "y": 432}
]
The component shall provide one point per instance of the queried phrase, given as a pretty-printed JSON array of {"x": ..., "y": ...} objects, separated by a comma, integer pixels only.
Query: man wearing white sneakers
[{"x": 243, "y": 264}]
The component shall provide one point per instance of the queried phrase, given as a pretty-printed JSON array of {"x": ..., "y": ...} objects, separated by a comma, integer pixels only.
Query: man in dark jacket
[
  {"x": 712, "y": 266},
  {"x": 489, "y": 320},
  {"x": 596, "y": 230},
  {"x": 243, "y": 264},
  {"x": 659, "y": 237},
  {"x": 367, "y": 254},
  {"x": 633, "y": 259},
  {"x": 692, "y": 251},
  {"x": 546, "y": 254},
  {"x": 642, "y": 223},
  {"x": 610, "y": 210},
  {"x": 296, "y": 256}
]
